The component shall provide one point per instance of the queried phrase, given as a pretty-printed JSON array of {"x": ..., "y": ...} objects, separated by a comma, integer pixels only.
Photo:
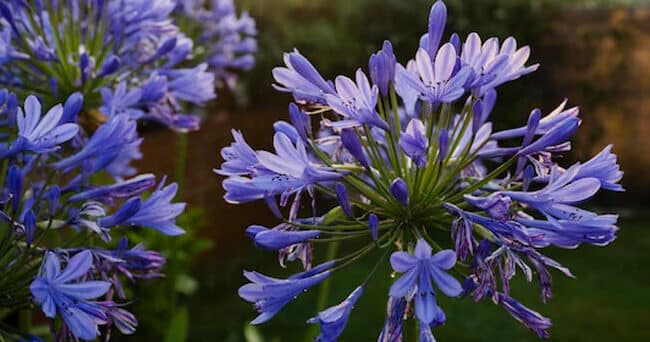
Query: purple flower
[
  {"x": 122, "y": 319},
  {"x": 556, "y": 199},
  {"x": 302, "y": 80},
  {"x": 287, "y": 129},
  {"x": 392, "y": 331},
  {"x": 409, "y": 94},
  {"x": 38, "y": 134},
  {"x": 437, "y": 20},
  {"x": 72, "y": 107},
  {"x": 373, "y": 225},
  {"x": 351, "y": 142},
  {"x": 344, "y": 200},
  {"x": 334, "y": 319},
  {"x": 482, "y": 109},
  {"x": 121, "y": 101},
  {"x": 158, "y": 211},
  {"x": 593, "y": 229},
  {"x": 461, "y": 234},
  {"x": 192, "y": 85},
  {"x": 153, "y": 89},
  {"x": 603, "y": 167},
  {"x": 502, "y": 229},
  {"x": 287, "y": 171},
  {"x": 557, "y": 135},
  {"x": 553, "y": 119},
  {"x": 356, "y": 102},
  {"x": 126, "y": 188},
  {"x": 419, "y": 270},
  {"x": 29, "y": 221},
  {"x": 496, "y": 205},
  {"x": 300, "y": 120},
  {"x": 134, "y": 263},
  {"x": 399, "y": 190},
  {"x": 15, "y": 186},
  {"x": 105, "y": 144},
  {"x": 531, "y": 319},
  {"x": 426, "y": 335},
  {"x": 382, "y": 68},
  {"x": 300, "y": 251},
  {"x": 443, "y": 144},
  {"x": 110, "y": 65},
  {"x": 435, "y": 82},
  {"x": 239, "y": 158},
  {"x": 492, "y": 65},
  {"x": 414, "y": 142},
  {"x": 270, "y": 295},
  {"x": 7, "y": 50},
  {"x": 56, "y": 292},
  {"x": 275, "y": 239},
  {"x": 126, "y": 211},
  {"x": 41, "y": 51}
]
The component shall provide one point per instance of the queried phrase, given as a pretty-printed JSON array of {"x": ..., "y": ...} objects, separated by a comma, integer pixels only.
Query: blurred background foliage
[{"x": 595, "y": 52}]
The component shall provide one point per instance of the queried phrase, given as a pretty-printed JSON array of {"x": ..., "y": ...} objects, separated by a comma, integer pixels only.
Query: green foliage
[
  {"x": 606, "y": 302},
  {"x": 161, "y": 303},
  {"x": 178, "y": 328}
]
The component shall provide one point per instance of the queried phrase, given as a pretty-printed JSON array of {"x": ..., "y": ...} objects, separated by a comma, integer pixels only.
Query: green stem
[
  {"x": 323, "y": 294},
  {"x": 25, "y": 320},
  {"x": 181, "y": 153}
]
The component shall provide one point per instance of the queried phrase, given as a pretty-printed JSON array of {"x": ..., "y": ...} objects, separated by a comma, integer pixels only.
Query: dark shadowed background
[{"x": 595, "y": 53}]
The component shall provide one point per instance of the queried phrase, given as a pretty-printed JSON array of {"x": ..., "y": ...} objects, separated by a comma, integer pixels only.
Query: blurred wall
[{"x": 600, "y": 60}]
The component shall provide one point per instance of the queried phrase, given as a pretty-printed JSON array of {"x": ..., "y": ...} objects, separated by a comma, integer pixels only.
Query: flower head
[{"x": 407, "y": 157}]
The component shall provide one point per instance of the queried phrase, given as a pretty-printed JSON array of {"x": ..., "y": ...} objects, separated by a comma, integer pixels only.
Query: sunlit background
[{"x": 595, "y": 53}]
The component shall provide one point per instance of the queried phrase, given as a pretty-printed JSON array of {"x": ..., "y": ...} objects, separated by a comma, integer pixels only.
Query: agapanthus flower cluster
[
  {"x": 412, "y": 166},
  {"x": 63, "y": 201},
  {"x": 225, "y": 40},
  {"x": 123, "y": 56}
]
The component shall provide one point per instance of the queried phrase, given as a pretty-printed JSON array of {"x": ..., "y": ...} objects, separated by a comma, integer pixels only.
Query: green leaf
[
  {"x": 333, "y": 215},
  {"x": 177, "y": 331},
  {"x": 186, "y": 285},
  {"x": 251, "y": 334}
]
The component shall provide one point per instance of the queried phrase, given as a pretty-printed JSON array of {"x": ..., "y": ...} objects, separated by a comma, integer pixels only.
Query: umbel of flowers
[
  {"x": 418, "y": 172},
  {"x": 52, "y": 210},
  {"x": 122, "y": 56},
  {"x": 79, "y": 76},
  {"x": 225, "y": 41}
]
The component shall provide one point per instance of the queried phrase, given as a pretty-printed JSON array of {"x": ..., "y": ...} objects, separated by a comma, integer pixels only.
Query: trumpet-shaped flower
[
  {"x": 356, "y": 102},
  {"x": 301, "y": 78},
  {"x": 275, "y": 239},
  {"x": 287, "y": 171},
  {"x": 421, "y": 269},
  {"x": 414, "y": 142},
  {"x": 493, "y": 65},
  {"x": 55, "y": 290},
  {"x": 38, "y": 134},
  {"x": 334, "y": 319},
  {"x": 270, "y": 295},
  {"x": 435, "y": 80},
  {"x": 157, "y": 211}
]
